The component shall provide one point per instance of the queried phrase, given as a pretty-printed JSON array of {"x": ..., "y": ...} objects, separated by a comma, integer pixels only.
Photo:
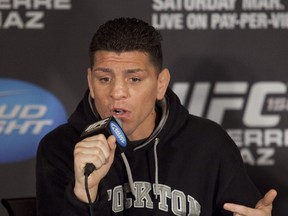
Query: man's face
[{"x": 126, "y": 86}]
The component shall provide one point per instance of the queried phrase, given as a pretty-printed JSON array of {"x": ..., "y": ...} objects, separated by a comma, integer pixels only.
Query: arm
[
  {"x": 262, "y": 208},
  {"x": 55, "y": 178},
  {"x": 54, "y": 172}
]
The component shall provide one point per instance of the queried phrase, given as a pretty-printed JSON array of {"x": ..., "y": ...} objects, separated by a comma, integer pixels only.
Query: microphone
[{"x": 108, "y": 126}]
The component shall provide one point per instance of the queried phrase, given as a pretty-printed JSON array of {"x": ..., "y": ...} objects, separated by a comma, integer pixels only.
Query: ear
[
  {"x": 162, "y": 83},
  {"x": 90, "y": 83}
]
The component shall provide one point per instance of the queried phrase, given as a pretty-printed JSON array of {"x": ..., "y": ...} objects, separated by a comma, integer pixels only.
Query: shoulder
[
  {"x": 203, "y": 126},
  {"x": 61, "y": 139},
  {"x": 210, "y": 135}
]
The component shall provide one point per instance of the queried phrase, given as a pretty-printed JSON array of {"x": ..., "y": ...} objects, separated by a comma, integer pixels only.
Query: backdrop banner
[{"x": 227, "y": 58}]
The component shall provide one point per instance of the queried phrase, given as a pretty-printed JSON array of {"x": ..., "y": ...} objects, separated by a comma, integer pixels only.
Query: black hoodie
[{"x": 188, "y": 166}]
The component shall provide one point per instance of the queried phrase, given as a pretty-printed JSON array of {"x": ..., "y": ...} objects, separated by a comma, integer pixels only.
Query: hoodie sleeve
[
  {"x": 234, "y": 182},
  {"x": 55, "y": 179},
  {"x": 73, "y": 207}
]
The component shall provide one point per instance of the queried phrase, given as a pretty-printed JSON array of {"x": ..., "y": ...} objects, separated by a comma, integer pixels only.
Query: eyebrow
[
  {"x": 102, "y": 69},
  {"x": 108, "y": 70},
  {"x": 136, "y": 70}
]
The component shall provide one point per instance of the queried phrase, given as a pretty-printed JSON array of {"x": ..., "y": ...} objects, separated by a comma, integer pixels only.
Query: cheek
[
  {"x": 100, "y": 104},
  {"x": 144, "y": 98},
  {"x": 145, "y": 103},
  {"x": 100, "y": 94}
]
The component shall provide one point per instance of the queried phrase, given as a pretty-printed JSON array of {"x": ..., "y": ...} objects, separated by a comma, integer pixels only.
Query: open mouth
[{"x": 119, "y": 111}]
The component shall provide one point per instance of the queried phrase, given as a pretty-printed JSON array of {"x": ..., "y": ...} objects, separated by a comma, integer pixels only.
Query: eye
[
  {"x": 104, "y": 79},
  {"x": 135, "y": 79}
]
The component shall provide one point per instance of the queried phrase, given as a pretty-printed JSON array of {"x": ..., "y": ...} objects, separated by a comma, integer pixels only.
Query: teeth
[{"x": 118, "y": 111}]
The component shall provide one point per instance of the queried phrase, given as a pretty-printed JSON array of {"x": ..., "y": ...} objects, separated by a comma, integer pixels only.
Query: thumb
[
  {"x": 112, "y": 142},
  {"x": 267, "y": 199}
]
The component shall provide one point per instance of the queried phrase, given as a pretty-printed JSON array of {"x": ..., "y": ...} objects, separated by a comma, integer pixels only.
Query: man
[{"x": 175, "y": 163}]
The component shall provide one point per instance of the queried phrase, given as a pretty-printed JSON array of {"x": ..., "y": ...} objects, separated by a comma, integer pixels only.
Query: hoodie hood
[
  {"x": 173, "y": 116},
  {"x": 84, "y": 114}
]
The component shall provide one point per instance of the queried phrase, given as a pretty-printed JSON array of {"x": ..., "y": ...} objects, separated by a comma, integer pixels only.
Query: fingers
[
  {"x": 238, "y": 209},
  {"x": 96, "y": 150},
  {"x": 263, "y": 207},
  {"x": 92, "y": 150}
]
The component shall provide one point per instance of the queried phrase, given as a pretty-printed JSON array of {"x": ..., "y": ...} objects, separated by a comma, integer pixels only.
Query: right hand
[
  {"x": 99, "y": 151},
  {"x": 263, "y": 207}
]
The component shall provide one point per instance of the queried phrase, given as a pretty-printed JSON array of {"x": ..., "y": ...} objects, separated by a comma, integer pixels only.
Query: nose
[{"x": 119, "y": 89}]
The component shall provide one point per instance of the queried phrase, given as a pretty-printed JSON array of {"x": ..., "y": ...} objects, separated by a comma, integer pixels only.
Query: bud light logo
[
  {"x": 118, "y": 133},
  {"x": 27, "y": 113}
]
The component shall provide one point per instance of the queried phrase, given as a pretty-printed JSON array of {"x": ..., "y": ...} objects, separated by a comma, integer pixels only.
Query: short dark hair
[{"x": 128, "y": 34}]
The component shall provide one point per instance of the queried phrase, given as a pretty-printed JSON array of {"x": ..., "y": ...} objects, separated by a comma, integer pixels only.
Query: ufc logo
[{"x": 227, "y": 96}]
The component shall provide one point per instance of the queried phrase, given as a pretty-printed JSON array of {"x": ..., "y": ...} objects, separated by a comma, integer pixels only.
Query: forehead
[{"x": 125, "y": 58}]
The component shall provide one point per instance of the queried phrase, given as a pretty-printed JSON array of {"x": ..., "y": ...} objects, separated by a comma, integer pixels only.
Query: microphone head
[{"x": 108, "y": 126}]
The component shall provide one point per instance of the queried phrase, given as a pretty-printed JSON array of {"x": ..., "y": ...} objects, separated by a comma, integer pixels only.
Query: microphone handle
[{"x": 89, "y": 168}]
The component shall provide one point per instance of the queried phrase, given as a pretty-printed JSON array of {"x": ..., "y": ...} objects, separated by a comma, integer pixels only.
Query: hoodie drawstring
[
  {"x": 156, "y": 167},
  {"x": 129, "y": 172}
]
